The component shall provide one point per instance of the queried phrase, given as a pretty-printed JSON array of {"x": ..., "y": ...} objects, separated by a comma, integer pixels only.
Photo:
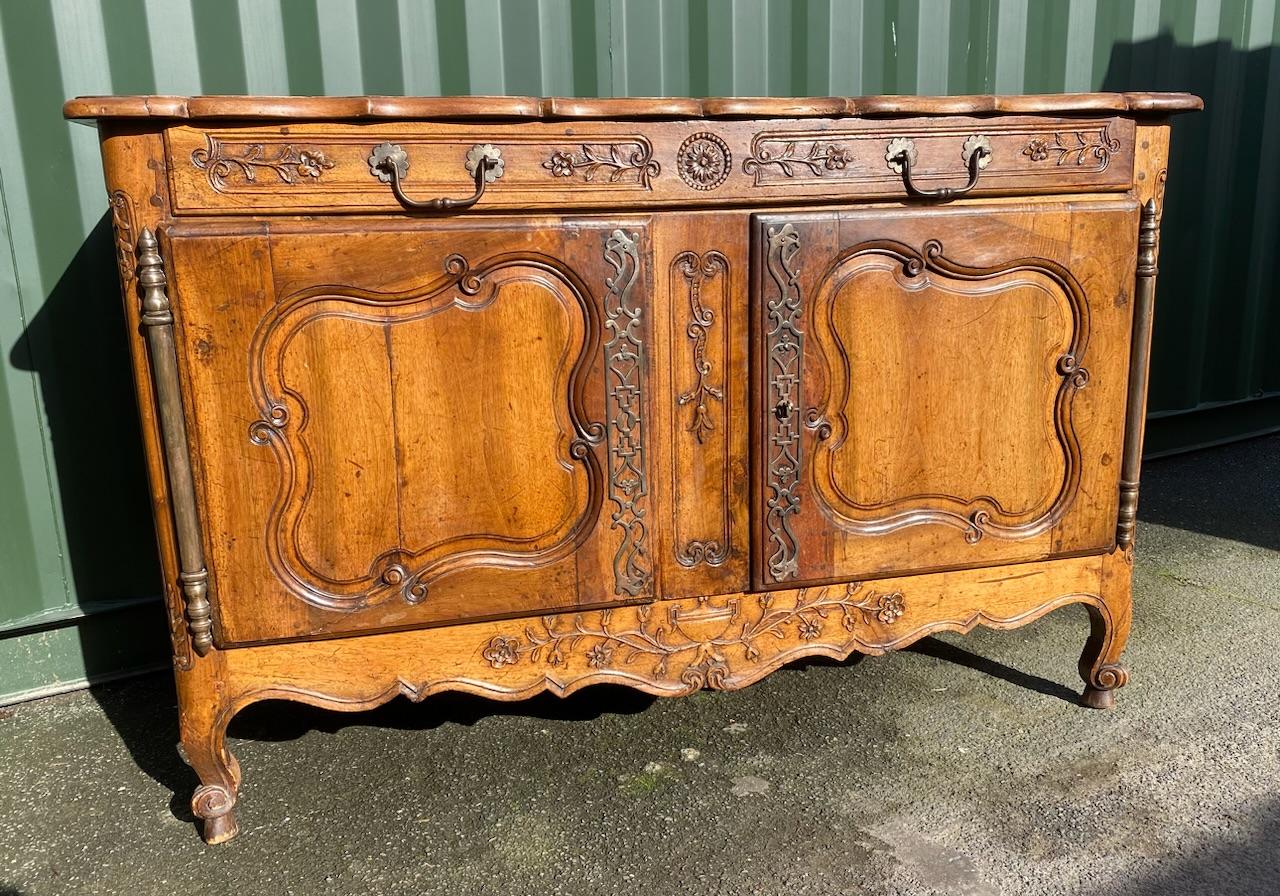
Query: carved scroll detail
[
  {"x": 613, "y": 163},
  {"x": 624, "y": 397},
  {"x": 157, "y": 322},
  {"x": 405, "y": 571},
  {"x": 289, "y": 163},
  {"x": 702, "y": 639},
  {"x": 980, "y": 516},
  {"x": 698, "y": 270},
  {"x": 784, "y": 348},
  {"x": 1074, "y": 147},
  {"x": 122, "y": 224}
]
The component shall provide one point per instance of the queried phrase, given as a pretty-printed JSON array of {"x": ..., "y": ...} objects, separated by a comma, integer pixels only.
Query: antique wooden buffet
[{"x": 505, "y": 395}]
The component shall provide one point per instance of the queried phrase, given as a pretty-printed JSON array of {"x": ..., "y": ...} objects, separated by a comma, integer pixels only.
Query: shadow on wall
[
  {"x": 77, "y": 345},
  {"x": 1218, "y": 306}
]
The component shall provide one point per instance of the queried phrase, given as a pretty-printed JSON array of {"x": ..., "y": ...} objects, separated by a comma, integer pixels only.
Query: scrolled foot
[
  {"x": 215, "y": 807},
  {"x": 1100, "y": 690}
]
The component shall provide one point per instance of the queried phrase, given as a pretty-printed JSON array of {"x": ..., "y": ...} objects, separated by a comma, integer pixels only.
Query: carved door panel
[
  {"x": 938, "y": 388},
  {"x": 435, "y": 422}
]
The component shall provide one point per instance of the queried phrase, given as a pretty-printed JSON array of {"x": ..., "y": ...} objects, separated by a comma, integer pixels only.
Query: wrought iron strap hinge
[
  {"x": 784, "y": 346},
  {"x": 625, "y": 368},
  {"x": 157, "y": 323}
]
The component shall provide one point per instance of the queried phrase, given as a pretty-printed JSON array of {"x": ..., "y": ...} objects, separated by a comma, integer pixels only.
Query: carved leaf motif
[
  {"x": 122, "y": 224},
  {"x": 289, "y": 163},
  {"x": 1074, "y": 147},
  {"x": 616, "y": 163},
  {"x": 821, "y": 158},
  {"x": 697, "y": 270},
  {"x": 705, "y": 639}
]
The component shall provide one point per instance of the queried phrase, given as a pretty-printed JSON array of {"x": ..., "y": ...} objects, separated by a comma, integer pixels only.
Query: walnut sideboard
[{"x": 505, "y": 395}]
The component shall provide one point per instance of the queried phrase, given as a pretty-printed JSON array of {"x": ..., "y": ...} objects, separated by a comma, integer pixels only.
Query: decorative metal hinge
[
  {"x": 784, "y": 346},
  {"x": 157, "y": 322},
  {"x": 1139, "y": 356},
  {"x": 625, "y": 366}
]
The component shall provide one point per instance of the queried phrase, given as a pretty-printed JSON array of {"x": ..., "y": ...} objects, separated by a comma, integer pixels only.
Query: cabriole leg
[
  {"x": 1109, "y": 632},
  {"x": 203, "y": 726}
]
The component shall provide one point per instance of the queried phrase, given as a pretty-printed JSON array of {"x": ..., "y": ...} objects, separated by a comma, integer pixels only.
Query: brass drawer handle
[
  {"x": 900, "y": 155},
  {"x": 389, "y": 163}
]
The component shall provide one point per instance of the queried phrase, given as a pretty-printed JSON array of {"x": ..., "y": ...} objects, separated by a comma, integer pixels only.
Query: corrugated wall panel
[{"x": 74, "y": 534}]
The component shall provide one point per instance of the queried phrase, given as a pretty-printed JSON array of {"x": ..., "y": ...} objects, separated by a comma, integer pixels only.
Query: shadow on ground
[
  {"x": 1214, "y": 871},
  {"x": 1227, "y": 492},
  {"x": 961, "y": 766}
]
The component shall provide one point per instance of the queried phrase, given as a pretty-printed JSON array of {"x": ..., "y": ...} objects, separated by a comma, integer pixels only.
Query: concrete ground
[{"x": 962, "y": 766}]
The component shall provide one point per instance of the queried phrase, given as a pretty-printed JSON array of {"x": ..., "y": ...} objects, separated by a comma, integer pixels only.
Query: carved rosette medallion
[
  {"x": 614, "y": 163},
  {"x": 703, "y": 161},
  {"x": 289, "y": 163},
  {"x": 1074, "y": 148},
  {"x": 624, "y": 399},
  {"x": 707, "y": 645},
  {"x": 784, "y": 348}
]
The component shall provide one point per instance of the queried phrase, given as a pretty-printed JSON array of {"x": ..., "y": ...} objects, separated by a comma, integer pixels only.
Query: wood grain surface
[
  {"x": 499, "y": 107},
  {"x": 696, "y": 388}
]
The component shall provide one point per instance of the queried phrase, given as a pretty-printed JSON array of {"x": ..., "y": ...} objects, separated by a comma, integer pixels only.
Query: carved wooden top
[{"x": 347, "y": 108}]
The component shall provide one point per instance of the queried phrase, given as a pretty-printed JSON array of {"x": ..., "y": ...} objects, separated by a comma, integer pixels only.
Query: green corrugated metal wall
[{"x": 77, "y": 571}]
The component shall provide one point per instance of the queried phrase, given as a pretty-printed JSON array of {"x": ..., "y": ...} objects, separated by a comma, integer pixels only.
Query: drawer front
[
  {"x": 938, "y": 388},
  {"x": 397, "y": 426},
  {"x": 326, "y": 168}
]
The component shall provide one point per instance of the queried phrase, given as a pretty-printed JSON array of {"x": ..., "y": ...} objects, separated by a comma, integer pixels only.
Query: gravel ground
[{"x": 961, "y": 766}]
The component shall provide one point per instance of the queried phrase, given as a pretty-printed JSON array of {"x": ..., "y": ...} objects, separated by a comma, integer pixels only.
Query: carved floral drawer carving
[
  {"x": 506, "y": 395},
  {"x": 326, "y": 168}
]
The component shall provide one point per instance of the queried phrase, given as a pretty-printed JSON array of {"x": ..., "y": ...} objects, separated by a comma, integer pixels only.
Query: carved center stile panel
[
  {"x": 413, "y": 429},
  {"x": 700, "y": 411}
]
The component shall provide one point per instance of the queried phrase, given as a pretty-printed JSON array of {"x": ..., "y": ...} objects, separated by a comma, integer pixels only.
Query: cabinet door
[
  {"x": 938, "y": 388},
  {"x": 402, "y": 424}
]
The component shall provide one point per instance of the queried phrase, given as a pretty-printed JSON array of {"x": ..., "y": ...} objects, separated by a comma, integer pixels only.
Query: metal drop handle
[
  {"x": 389, "y": 163},
  {"x": 900, "y": 155}
]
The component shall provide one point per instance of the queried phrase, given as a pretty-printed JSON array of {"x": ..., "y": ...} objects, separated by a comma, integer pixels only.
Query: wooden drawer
[{"x": 324, "y": 167}]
